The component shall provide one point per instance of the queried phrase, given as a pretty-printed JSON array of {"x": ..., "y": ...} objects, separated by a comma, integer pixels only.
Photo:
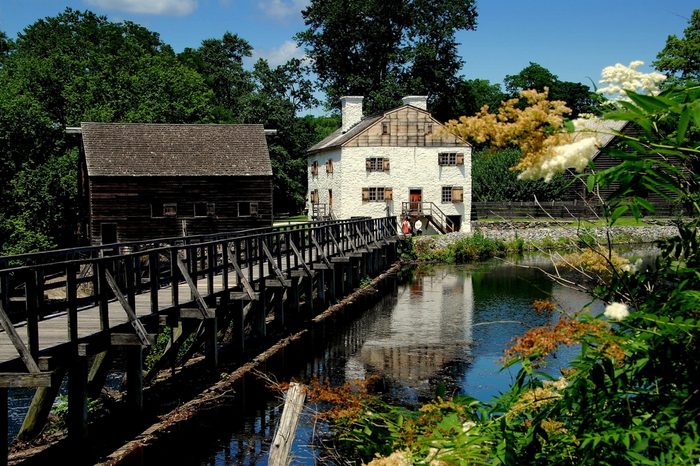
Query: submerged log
[{"x": 282, "y": 443}]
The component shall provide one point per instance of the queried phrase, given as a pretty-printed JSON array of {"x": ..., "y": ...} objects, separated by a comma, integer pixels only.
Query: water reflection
[{"x": 444, "y": 327}]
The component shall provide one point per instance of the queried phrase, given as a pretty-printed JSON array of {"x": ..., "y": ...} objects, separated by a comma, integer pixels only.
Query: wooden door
[{"x": 415, "y": 197}]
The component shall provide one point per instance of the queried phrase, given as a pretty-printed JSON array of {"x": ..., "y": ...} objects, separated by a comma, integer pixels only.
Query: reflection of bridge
[
  {"x": 429, "y": 329},
  {"x": 66, "y": 311},
  {"x": 411, "y": 364}
]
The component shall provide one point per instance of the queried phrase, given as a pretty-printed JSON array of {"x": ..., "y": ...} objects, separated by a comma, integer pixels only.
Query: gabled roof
[
  {"x": 337, "y": 138},
  {"x": 151, "y": 149}
]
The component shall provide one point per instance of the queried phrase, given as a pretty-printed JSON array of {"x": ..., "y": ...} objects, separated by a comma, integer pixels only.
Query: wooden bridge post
[
  {"x": 134, "y": 377},
  {"x": 293, "y": 296},
  {"x": 42, "y": 402},
  {"x": 322, "y": 288},
  {"x": 211, "y": 341},
  {"x": 77, "y": 395},
  {"x": 238, "y": 323},
  {"x": 308, "y": 284},
  {"x": 278, "y": 306}
]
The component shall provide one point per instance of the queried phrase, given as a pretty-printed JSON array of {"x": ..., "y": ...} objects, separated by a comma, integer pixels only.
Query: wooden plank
[
  {"x": 300, "y": 257},
  {"x": 320, "y": 251},
  {"x": 131, "y": 339},
  {"x": 273, "y": 264},
  {"x": 337, "y": 245},
  {"x": 243, "y": 296},
  {"x": 359, "y": 234},
  {"x": 195, "y": 313},
  {"x": 244, "y": 281},
  {"x": 131, "y": 315},
  {"x": 23, "y": 351},
  {"x": 25, "y": 379},
  {"x": 193, "y": 288},
  {"x": 286, "y": 430}
]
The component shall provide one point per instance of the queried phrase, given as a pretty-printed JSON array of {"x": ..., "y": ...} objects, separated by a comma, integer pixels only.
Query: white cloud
[
  {"x": 282, "y": 9},
  {"x": 153, "y": 7},
  {"x": 281, "y": 54}
]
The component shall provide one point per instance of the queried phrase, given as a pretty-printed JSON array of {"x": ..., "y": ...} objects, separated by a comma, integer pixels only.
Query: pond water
[{"x": 442, "y": 327}]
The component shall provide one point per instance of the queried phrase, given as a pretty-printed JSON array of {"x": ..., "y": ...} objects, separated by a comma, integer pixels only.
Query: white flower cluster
[
  {"x": 632, "y": 268},
  {"x": 575, "y": 155},
  {"x": 619, "y": 78},
  {"x": 616, "y": 311}
]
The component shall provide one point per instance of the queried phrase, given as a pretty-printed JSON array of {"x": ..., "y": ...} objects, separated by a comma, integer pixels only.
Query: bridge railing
[{"x": 32, "y": 293}]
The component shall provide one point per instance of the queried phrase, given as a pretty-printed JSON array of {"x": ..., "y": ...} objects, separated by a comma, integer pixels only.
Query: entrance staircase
[{"x": 429, "y": 211}]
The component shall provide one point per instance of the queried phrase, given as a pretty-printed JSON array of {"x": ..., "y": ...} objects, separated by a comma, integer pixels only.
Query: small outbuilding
[{"x": 144, "y": 181}]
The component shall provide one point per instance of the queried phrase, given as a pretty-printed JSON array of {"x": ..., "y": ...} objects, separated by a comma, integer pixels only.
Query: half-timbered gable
[
  {"x": 399, "y": 163},
  {"x": 144, "y": 181}
]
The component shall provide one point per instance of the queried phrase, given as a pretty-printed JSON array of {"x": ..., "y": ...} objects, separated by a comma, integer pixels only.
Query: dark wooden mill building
[{"x": 142, "y": 181}]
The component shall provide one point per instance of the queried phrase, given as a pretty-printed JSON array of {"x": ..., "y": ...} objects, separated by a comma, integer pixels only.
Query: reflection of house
[
  {"x": 397, "y": 163},
  {"x": 425, "y": 333},
  {"x": 141, "y": 181}
]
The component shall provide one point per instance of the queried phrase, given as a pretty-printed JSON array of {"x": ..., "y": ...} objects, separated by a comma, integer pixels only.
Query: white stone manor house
[{"x": 400, "y": 163}]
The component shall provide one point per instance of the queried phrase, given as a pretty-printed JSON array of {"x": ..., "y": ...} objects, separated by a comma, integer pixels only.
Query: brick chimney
[
  {"x": 419, "y": 101},
  {"x": 351, "y": 109}
]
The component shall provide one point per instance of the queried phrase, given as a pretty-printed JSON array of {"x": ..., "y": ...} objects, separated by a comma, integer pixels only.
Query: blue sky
[{"x": 573, "y": 39}]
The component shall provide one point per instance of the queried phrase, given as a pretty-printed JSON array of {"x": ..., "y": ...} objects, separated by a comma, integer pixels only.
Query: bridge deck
[{"x": 45, "y": 332}]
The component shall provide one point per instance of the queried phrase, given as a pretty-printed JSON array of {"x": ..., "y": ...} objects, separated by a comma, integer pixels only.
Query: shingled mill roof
[{"x": 151, "y": 149}]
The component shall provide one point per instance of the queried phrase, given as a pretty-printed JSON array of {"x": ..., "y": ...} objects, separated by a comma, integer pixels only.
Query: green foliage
[
  {"x": 680, "y": 58},
  {"x": 577, "y": 96},
  {"x": 471, "y": 248},
  {"x": 493, "y": 180},
  {"x": 472, "y": 94},
  {"x": 58, "y": 419},
  {"x": 155, "y": 352},
  {"x": 78, "y": 66},
  {"x": 385, "y": 50}
]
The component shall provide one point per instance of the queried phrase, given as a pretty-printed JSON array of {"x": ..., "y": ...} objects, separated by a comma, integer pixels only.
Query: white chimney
[
  {"x": 351, "y": 109},
  {"x": 419, "y": 101}
]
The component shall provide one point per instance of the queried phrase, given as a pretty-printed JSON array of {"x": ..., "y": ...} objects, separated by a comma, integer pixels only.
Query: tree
[
  {"x": 473, "y": 94},
  {"x": 680, "y": 58},
  {"x": 385, "y": 49},
  {"x": 60, "y": 71},
  {"x": 578, "y": 97},
  {"x": 5, "y": 46},
  {"x": 220, "y": 61},
  {"x": 494, "y": 180},
  {"x": 279, "y": 94}
]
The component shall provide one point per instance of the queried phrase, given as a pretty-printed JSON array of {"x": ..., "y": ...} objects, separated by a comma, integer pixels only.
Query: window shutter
[
  {"x": 385, "y": 165},
  {"x": 329, "y": 166},
  {"x": 457, "y": 194},
  {"x": 388, "y": 194},
  {"x": 314, "y": 168},
  {"x": 368, "y": 164},
  {"x": 365, "y": 194},
  {"x": 460, "y": 158}
]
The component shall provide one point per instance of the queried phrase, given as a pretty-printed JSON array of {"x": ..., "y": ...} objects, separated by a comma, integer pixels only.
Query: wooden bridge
[{"x": 62, "y": 311}]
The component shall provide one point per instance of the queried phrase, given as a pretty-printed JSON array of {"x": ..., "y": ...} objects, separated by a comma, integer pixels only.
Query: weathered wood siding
[
  {"x": 405, "y": 127},
  {"x": 128, "y": 201},
  {"x": 605, "y": 161}
]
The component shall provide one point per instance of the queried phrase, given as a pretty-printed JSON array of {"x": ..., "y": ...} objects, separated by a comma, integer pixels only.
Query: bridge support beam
[
  {"x": 42, "y": 402},
  {"x": 77, "y": 396}
]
